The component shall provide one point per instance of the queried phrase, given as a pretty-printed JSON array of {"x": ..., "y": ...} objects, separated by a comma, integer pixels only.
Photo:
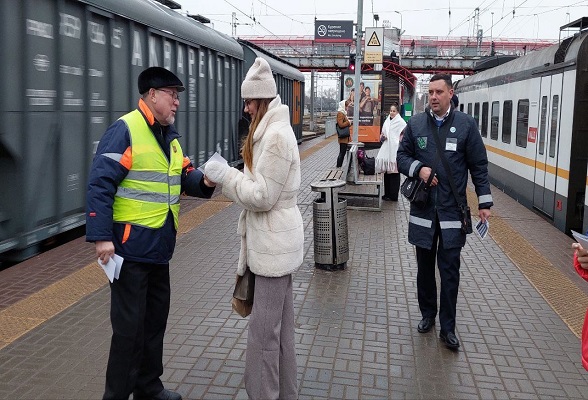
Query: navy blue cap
[{"x": 158, "y": 77}]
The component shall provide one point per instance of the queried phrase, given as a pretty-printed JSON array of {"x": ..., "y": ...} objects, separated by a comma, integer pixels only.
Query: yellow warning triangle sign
[{"x": 374, "y": 41}]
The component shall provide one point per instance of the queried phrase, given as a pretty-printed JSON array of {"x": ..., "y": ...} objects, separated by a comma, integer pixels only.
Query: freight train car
[
  {"x": 533, "y": 119},
  {"x": 69, "y": 69}
]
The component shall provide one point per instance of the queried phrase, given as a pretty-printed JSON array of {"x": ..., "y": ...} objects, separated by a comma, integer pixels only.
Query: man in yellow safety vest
[{"x": 133, "y": 202}]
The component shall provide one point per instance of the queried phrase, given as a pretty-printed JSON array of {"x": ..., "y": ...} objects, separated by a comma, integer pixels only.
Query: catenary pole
[{"x": 358, "y": 61}]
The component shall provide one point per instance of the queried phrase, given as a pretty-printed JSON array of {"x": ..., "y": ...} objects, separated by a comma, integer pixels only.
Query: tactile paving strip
[{"x": 566, "y": 299}]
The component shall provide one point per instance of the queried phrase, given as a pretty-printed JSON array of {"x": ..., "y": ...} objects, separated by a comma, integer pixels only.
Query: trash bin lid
[{"x": 327, "y": 184}]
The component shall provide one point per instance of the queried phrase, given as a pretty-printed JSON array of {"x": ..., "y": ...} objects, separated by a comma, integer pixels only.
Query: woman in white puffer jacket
[{"x": 272, "y": 233}]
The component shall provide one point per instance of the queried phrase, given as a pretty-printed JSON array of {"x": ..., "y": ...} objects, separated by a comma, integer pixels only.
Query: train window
[
  {"x": 543, "y": 125},
  {"x": 484, "y": 130},
  {"x": 477, "y": 114},
  {"x": 553, "y": 134},
  {"x": 506, "y": 121},
  {"x": 522, "y": 123},
  {"x": 469, "y": 108},
  {"x": 461, "y": 107},
  {"x": 494, "y": 120}
]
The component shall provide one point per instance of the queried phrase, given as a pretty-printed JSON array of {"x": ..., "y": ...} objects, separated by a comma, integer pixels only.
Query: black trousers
[
  {"x": 448, "y": 262},
  {"x": 342, "y": 152},
  {"x": 140, "y": 301},
  {"x": 391, "y": 186}
]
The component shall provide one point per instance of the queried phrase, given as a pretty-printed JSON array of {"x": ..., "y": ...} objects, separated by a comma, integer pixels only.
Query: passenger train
[
  {"x": 69, "y": 69},
  {"x": 533, "y": 117}
]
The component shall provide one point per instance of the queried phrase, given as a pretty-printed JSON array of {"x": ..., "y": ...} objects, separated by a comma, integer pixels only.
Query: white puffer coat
[{"x": 271, "y": 229}]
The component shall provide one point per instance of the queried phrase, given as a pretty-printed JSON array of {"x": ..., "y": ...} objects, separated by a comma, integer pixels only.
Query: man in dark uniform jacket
[
  {"x": 435, "y": 229},
  {"x": 133, "y": 202}
]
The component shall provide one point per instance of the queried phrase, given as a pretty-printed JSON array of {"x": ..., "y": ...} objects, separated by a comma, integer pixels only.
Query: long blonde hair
[{"x": 247, "y": 148}]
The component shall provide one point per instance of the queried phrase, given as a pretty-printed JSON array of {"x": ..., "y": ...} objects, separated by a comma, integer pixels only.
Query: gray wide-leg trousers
[{"x": 270, "y": 365}]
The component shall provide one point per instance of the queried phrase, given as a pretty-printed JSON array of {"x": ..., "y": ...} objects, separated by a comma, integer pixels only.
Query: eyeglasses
[{"x": 173, "y": 94}]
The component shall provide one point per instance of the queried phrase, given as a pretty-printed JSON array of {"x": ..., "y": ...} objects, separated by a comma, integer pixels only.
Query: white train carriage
[{"x": 533, "y": 117}]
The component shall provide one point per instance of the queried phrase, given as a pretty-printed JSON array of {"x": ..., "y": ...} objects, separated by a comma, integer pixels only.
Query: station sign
[
  {"x": 373, "y": 50},
  {"x": 333, "y": 31}
]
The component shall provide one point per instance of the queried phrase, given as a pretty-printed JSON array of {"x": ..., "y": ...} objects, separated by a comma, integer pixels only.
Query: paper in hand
[
  {"x": 215, "y": 157},
  {"x": 112, "y": 267},
  {"x": 582, "y": 239},
  {"x": 482, "y": 228}
]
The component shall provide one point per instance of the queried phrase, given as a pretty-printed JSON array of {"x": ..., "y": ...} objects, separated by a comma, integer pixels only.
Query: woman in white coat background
[
  {"x": 386, "y": 158},
  {"x": 272, "y": 233}
]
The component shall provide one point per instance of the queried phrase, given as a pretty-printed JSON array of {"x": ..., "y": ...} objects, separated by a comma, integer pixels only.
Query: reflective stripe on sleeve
[
  {"x": 413, "y": 167},
  {"x": 113, "y": 156},
  {"x": 487, "y": 198}
]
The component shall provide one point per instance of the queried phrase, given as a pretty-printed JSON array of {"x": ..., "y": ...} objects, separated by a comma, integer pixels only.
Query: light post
[
  {"x": 400, "y": 36},
  {"x": 491, "y": 26}
]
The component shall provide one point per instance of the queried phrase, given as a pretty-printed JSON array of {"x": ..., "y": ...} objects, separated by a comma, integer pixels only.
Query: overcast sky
[{"x": 532, "y": 19}]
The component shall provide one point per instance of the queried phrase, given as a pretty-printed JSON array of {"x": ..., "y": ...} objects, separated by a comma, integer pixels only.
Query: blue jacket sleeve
[
  {"x": 193, "y": 183},
  {"x": 105, "y": 175}
]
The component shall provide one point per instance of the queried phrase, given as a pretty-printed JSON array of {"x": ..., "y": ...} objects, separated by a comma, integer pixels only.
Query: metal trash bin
[{"x": 329, "y": 216}]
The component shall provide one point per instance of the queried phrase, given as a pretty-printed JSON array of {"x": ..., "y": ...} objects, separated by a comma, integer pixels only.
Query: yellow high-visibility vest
[{"x": 153, "y": 185}]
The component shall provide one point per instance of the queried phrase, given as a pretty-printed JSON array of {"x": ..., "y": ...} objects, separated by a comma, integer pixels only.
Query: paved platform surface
[{"x": 519, "y": 313}]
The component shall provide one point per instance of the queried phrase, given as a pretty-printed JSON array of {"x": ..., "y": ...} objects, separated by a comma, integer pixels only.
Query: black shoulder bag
[{"x": 465, "y": 213}]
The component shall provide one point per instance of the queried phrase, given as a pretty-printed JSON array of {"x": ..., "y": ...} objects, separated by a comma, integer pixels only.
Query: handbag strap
[{"x": 446, "y": 166}]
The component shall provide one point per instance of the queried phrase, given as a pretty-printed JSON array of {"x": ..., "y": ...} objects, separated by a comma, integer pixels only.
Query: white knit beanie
[{"x": 259, "y": 82}]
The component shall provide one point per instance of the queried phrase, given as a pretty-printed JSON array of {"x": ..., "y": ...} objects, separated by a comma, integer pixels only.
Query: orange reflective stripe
[
  {"x": 186, "y": 162},
  {"x": 127, "y": 233},
  {"x": 127, "y": 158},
  {"x": 146, "y": 112}
]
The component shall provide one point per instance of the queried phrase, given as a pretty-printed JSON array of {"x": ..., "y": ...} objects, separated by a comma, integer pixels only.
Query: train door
[{"x": 546, "y": 150}]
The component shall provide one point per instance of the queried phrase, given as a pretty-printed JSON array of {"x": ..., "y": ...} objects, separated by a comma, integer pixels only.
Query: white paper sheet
[
  {"x": 112, "y": 267},
  {"x": 215, "y": 157}
]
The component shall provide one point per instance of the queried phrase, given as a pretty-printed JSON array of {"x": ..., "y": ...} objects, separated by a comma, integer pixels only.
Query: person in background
[
  {"x": 342, "y": 122},
  {"x": 581, "y": 266},
  {"x": 435, "y": 229},
  {"x": 272, "y": 233},
  {"x": 133, "y": 202},
  {"x": 454, "y": 101},
  {"x": 386, "y": 158}
]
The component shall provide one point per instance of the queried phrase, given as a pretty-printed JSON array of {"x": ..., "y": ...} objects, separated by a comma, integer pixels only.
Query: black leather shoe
[
  {"x": 426, "y": 324},
  {"x": 163, "y": 395},
  {"x": 449, "y": 339}
]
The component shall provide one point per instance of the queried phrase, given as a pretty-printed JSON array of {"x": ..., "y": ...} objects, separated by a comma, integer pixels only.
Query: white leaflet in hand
[
  {"x": 482, "y": 228},
  {"x": 109, "y": 268},
  {"x": 582, "y": 239},
  {"x": 118, "y": 260},
  {"x": 215, "y": 157},
  {"x": 112, "y": 267}
]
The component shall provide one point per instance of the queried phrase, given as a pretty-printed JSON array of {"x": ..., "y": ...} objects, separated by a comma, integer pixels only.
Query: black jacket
[{"x": 464, "y": 151}]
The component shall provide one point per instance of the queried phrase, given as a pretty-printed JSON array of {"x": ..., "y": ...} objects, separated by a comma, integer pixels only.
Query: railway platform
[{"x": 519, "y": 315}]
